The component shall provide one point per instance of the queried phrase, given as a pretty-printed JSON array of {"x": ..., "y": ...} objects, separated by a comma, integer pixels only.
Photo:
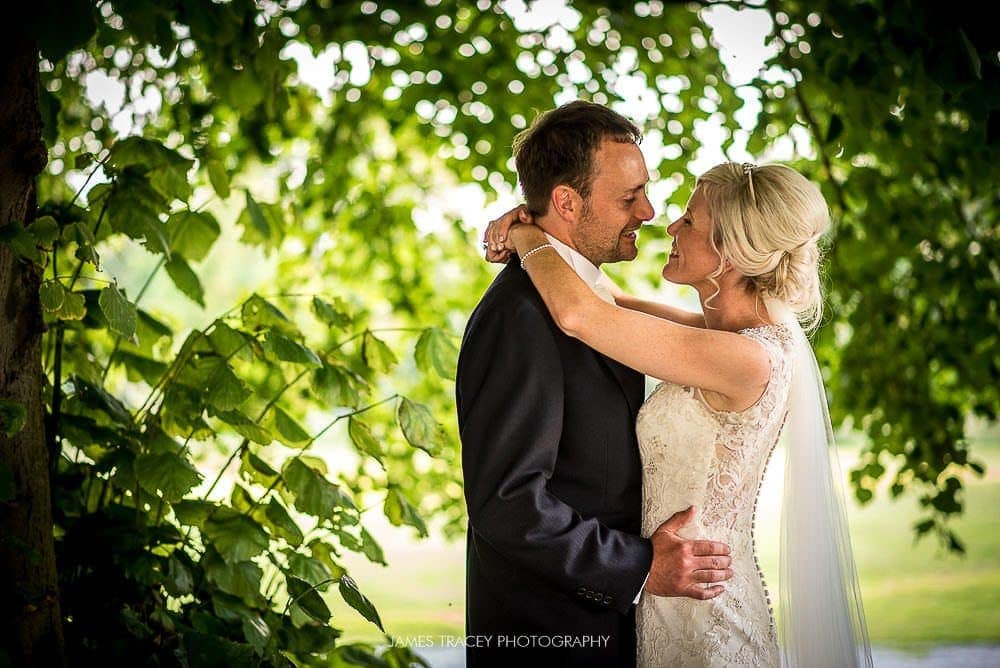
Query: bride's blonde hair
[{"x": 767, "y": 221}]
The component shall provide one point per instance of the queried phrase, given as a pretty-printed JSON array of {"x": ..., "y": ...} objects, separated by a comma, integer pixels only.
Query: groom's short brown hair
[{"x": 559, "y": 147}]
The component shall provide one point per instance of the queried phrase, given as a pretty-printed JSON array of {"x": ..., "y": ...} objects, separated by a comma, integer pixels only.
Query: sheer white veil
[{"x": 822, "y": 619}]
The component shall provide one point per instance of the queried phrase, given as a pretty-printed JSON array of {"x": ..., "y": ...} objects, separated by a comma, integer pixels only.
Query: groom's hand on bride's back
[{"x": 682, "y": 567}]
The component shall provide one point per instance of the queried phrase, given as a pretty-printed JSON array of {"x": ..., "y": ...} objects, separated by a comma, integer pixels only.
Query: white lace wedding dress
[{"x": 714, "y": 460}]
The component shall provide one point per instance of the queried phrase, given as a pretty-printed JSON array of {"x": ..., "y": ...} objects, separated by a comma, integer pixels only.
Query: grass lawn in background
[{"x": 915, "y": 595}]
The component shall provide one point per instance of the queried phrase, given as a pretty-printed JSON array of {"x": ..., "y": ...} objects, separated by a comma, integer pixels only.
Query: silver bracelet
[{"x": 533, "y": 251}]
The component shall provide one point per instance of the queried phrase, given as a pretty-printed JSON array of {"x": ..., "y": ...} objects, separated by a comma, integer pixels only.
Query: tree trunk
[{"x": 30, "y": 618}]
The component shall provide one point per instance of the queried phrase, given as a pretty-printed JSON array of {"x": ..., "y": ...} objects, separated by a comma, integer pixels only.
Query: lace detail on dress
[{"x": 693, "y": 454}]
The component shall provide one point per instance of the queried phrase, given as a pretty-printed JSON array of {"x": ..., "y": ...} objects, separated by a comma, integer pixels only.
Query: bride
[{"x": 733, "y": 379}]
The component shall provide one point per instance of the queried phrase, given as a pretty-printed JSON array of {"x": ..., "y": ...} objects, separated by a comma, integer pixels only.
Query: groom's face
[{"x": 609, "y": 222}]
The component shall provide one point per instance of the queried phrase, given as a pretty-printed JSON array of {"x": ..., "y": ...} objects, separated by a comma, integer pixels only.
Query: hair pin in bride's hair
[{"x": 748, "y": 168}]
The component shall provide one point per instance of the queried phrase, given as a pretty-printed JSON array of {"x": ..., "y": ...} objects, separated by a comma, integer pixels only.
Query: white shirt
[
  {"x": 599, "y": 283},
  {"x": 585, "y": 269}
]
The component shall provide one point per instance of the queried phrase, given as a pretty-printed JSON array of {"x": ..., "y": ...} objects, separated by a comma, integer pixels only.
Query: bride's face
[{"x": 692, "y": 258}]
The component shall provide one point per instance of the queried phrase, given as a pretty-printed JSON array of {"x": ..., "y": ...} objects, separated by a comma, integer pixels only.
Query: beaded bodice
[{"x": 714, "y": 460}]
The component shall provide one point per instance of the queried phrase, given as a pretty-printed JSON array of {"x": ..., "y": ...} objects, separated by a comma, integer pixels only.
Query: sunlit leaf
[
  {"x": 218, "y": 177},
  {"x": 246, "y": 427},
  {"x": 354, "y": 598},
  {"x": 399, "y": 511},
  {"x": 436, "y": 351},
  {"x": 256, "y": 469},
  {"x": 289, "y": 431},
  {"x": 363, "y": 439},
  {"x": 118, "y": 310},
  {"x": 241, "y": 579},
  {"x": 52, "y": 295},
  {"x": 282, "y": 523},
  {"x": 419, "y": 426},
  {"x": 376, "y": 353},
  {"x": 314, "y": 494},
  {"x": 287, "y": 350},
  {"x": 192, "y": 234},
  {"x": 334, "y": 314},
  {"x": 169, "y": 473},
  {"x": 193, "y": 512},
  {"x": 307, "y": 598},
  {"x": 236, "y": 537},
  {"x": 185, "y": 279}
]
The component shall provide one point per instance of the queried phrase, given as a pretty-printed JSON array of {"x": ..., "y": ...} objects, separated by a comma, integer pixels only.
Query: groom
[{"x": 555, "y": 562}]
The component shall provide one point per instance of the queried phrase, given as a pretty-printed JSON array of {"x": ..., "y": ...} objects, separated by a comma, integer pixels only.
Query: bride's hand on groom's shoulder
[
  {"x": 497, "y": 242},
  {"x": 682, "y": 567}
]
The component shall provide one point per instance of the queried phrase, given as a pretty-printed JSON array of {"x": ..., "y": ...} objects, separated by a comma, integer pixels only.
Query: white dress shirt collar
[{"x": 584, "y": 268}]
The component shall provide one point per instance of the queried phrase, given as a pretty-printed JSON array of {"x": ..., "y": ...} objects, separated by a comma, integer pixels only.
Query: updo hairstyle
[{"x": 767, "y": 221}]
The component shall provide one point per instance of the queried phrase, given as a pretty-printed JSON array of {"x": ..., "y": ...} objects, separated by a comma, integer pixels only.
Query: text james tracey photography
[{"x": 502, "y": 641}]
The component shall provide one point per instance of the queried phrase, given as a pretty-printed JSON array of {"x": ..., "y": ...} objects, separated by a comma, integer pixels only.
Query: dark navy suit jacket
[{"x": 552, "y": 486}]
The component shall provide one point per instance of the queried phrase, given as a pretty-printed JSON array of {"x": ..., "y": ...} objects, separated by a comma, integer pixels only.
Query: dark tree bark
[{"x": 30, "y": 618}]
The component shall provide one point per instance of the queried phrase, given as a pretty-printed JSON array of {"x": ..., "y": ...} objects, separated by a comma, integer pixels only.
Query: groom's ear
[{"x": 566, "y": 203}]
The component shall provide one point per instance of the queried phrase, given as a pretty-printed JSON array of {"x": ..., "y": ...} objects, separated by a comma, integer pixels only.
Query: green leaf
[
  {"x": 307, "y": 598},
  {"x": 324, "y": 552},
  {"x": 192, "y": 234},
  {"x": 169, "y": 473},
  {"x": 334, "y": 314},
  {"x": 308, "y": 568},
  {"x": 84, "y": 238},
  {"x": 287, "y": 350},
  {"x": 179, "y": 580},
  {"x": 52, "y": 295},
  {"x": 419, "y": 426},
  {"x": 225, "y": 340},
  {"x": 241, "y": 579},
  {"x": 218, "y": 177},
  {"x": 257, "y": 632},
  {"x": 314, "y": 494},
  {"x": 282, "y": 523},
  {"x": 399, "y": 511},
  {"x": 185, "y": 279},
  {"x": 436, "y": 350},
  {"x": 73, "y": 308},
  {"x": 246, "y": 427},
  {"x": 118, "y": 310},
  {"x": 134, "y": 208},
  {"x": 337, "y": 385},
  {"x": 140, "y": 367},
  {"x": 213, "y": 649},
  {"x": 235, "y": 536},
  {"x": 193, "y": 512},
  {"x": 214, "y": 379},
  {"x": 260, "y": 224},
  {"x": 371, "y": 549},
  {"x": 358, "y": 601},
  {"x": 46, "y": 230},
  {"x": 166, "y": 169},
  {"x": 20, "y": 241},
  {"x": 256, "y": 469},
  {"x": 290, "y": 432},
  {"x": 258, "y": 313},
  {"x": 363, "y": 439},
  {"x": 376, "y": 353}
]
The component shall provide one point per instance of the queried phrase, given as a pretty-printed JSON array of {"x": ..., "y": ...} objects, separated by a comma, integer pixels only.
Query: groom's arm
[{"x": 510, "y": 401}]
